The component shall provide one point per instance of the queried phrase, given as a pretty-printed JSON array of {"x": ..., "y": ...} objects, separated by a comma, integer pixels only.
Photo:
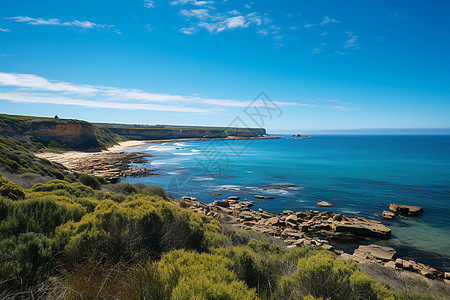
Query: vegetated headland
[{"x": 68, "y": 234}]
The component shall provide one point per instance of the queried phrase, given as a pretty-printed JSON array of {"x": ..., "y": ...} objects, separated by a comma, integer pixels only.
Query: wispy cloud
[
  {"x": 4, "y": 30},
  {"x": 57, "y": 22},
  {"x": 327, "y": 20},
  {"x": 149, "y": 3},
  {"x": 30, "y": 88},
  {"x": 192, "y": 2},
  {"x": 351, "y": 41},
  {"x": 215, "y": 22}
]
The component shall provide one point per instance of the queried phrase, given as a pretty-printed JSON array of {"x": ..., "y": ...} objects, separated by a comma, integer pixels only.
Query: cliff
[
  {"x": 48, "y": 131},
  {"x": 195, "y": 132},
  {"x": 80, "y": 135}
]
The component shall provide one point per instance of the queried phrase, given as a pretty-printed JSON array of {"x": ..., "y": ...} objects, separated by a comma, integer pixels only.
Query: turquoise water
[{"x": 359, "y": 175}]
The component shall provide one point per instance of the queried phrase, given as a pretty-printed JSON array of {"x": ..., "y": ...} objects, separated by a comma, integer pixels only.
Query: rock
[
  {"x": 287, "y": 212},
  {"x": 216, "y": 194},
  {"x": 406, "y": 210},
  {"x": 327, "y": 247},
  {"x": 233, "y": 198},
  {"x": 324, "y": 204},
  {"x": 186, "y": 198},
  {"x": 247, "y": 204},
  {"x": 264, "y": 197},
  {"x": 399, "y": 263},
  {"x": 447, "y": 275},
  {"x": 363, "y": 227},
  {"x": 376, "y": 251},
  {"x": 388, "y": 215},
  {"x": 292, "y": 218},
  {"x": 221, "y": 203},
  {"x": 337, "y": 217},
  {"x": 390, "y": 264},
  {"x": 291, "y": 224},
  {"x": 274, "y": 221}
]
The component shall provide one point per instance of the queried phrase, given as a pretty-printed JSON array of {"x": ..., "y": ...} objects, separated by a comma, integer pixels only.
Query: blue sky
[{"x": 325, "y": 64}]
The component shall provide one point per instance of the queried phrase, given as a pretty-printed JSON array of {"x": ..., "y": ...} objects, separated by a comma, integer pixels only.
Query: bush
[
  {"x": 153, "y": 190},
  {"x": 190, "y": 275},
  {"x": 322, "y": 275},
  {"x": 122, "y": 188},
  {"x": 25, "y": 260},
  {"x": 94, "y": 182},
  {"x": 72, "y": 189},
  {"x": 140, "y": 227},
  {"x": 37, "y": 215},
  {"x": 10, "y": 190}
]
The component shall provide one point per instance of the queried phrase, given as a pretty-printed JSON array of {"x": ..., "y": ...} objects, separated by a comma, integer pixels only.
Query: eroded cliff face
[
  {"x": 74, "y": 134},
  {"x": 163, "y": 134},
  {"x": 71, "y": 133}
]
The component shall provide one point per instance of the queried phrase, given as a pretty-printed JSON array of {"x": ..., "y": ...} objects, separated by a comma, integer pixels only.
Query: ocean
[{"x": 359, "y": 175}]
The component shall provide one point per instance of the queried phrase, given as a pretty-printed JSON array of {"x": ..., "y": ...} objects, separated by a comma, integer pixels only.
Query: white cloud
[
  {"x": 196, "y": 13},
  {"x": 309, "y": 25},
  {"x": 188, "y": 30},
  {"x": 351, "y": 41},
  {"x": 57, "y": 22},
  {"x": 61, "y": 100},
  {"x": 326, "y": 20},
  {"x": 30, "y": 88},
  {"x": 4, "y": 30},
  {"x": 192, "y": 2},
  {"x": 149, "y": 3}
]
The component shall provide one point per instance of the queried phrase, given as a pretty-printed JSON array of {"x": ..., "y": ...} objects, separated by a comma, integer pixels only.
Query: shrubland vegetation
[{"x": 66, "y": 240}]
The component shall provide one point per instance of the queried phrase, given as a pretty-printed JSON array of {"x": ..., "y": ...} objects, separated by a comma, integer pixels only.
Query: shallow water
[{"x": 359, "y": 175}]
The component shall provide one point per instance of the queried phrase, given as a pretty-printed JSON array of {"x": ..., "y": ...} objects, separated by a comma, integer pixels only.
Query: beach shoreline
[{"x": 113, "y": 163}]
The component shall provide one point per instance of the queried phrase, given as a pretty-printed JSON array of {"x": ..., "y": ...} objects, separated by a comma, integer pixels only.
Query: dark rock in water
[
  {"x": 216, "y": 194},
  {"x": 388, "y": 215},
  {"x": 233, "y": 198},
  {"x": 406, "y": 210},
  {"x": 221, "y": 203}
]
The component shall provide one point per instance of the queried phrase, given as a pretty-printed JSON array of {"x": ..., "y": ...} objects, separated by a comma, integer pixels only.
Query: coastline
[
  {"x": 113, "y": 163},
  {"x": 243, "y": 220}
]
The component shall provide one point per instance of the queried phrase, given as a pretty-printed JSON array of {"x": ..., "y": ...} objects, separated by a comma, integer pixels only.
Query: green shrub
[
  {"x": 191, "y": 275},
  {"x": 142, "y": 225},
  {"x": 153, "y": 190},
  {"x": 322, "y": 275},
  {"x": 10, "y": 190},
  {"x": 37, "y": 215},
  {"x": 74, "y": 189},
  {"x": 25, "y": 260},
  {"x": 92, "y": 181}
]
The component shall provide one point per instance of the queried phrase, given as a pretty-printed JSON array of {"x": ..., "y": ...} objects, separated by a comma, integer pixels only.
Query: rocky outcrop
[
  {"x": 111, "y": 165},
  {"x": 406, "y": 210},
  {"x": 386, "y": 256},
  {"x": 324, "y": 204},
  {"x": 388, "y": 215},
  {"x": 314, "y": 228}
]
